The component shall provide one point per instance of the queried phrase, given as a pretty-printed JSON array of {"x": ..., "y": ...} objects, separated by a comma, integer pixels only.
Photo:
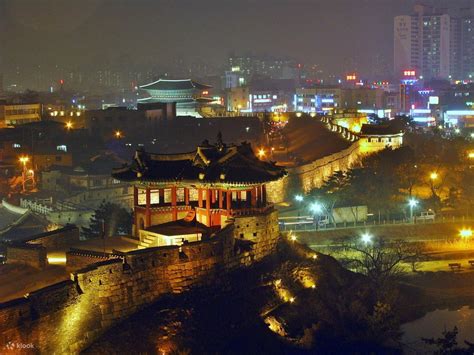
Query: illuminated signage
[
  {"x": 434, "y": 100},
  {"x": 409, "y": 73},
  {"x": 351, "y": 77}
]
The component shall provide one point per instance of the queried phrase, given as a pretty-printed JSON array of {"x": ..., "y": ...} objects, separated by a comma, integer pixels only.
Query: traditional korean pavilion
[
  {"x": 180, "y": 196},
  {"x": 189, "y": 95}
]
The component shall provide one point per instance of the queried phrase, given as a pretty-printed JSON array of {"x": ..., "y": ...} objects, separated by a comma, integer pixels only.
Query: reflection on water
[{"x": 433, "y": 324}]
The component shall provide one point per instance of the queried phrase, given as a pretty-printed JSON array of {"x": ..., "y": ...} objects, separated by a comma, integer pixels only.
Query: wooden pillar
[
  {"x": 135, "y": 204},
  {"x": 253, "y": 197},
  {"x": 220, "y": 198},
  {"x": 148, "y": 208},
  {"x": 162, "y": 197},
  {"x": 200, "y": 198},
  {"x": 213, "y": 196},
  {"x": 239, "y": 196},
  {"x": 228, "y": 198},
  {"x": 186, "y": 196},
  {"x": 259, "y": 195},
  {"x": 174, "y": 209},
  {"x": 264, "y": 194},
  {"x": 135, "y": 196},
  {"x": 208, "y": 207}
]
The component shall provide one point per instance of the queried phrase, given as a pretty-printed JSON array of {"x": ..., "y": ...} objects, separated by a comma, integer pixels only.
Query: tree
[
  {"x": 334, "y": 190},
  {"x": 108, "y": 220},
  {"x": 448, "y": 344},
  {"x": 380, "y": 260}
]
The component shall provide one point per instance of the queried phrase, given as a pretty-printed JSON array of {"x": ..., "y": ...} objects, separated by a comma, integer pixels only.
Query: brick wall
[
  {"x": 32, "y": 255},
  {"x": 57, "y": 239},
  {"x": 70, "y": 315}
]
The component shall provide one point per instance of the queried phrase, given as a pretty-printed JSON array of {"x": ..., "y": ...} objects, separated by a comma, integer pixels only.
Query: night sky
[{"x": 337, "y": 34}]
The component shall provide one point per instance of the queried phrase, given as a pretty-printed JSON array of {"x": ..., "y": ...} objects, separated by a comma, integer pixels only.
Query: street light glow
[
  {"x": 465, "y": 233},
  {"x": 412, "y": 202},
  {"x": 433, "y": 175},
  {"x": 24, "y": 159},
  {"x": 366, "y": 238},
  {"x": 299, "y": 198},
  {"x": 261, "y": 153},
  {"x": 118, "y": 134},
  {"x": 69, "y": 125},
  {"x": 292, "y": 237},
  {"x": 316, "y": 207}
]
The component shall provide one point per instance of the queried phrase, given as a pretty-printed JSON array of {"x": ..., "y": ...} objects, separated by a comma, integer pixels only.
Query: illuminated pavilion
[
  {"x": 189, "y": 95},
  {"x": 182, "y": 197}
]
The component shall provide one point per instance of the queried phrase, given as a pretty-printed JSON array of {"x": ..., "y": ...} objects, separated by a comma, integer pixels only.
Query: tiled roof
[
  {"x": 186, "y": 84},
  {"x": 217, "y": 164}
]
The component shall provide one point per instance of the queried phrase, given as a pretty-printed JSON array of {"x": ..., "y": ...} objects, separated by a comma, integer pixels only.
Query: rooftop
[
  {"x": 186, "y": 84},
  {"x": 209, "y": 163}
]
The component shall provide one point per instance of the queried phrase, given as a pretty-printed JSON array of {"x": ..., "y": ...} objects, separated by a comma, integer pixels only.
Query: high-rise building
[
  {"x": 467, "y": 47},
  {"x": 427, "y": 42},
  {"x": 435, "y": 43}
]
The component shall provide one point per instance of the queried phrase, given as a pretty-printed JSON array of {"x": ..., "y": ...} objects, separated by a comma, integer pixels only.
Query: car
[{"x": 426, "y": 216}]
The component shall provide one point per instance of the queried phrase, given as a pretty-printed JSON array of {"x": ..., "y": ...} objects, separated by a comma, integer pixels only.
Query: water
[{"x": 433, "y": 324}]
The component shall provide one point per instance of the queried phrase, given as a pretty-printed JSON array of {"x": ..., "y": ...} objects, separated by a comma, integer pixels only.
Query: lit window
[
  {"x": 62, "y": 148},
  {"x": 16, "y": 145}
]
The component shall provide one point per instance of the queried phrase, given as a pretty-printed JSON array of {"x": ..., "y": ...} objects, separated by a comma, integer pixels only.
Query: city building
[
  {"x": 181, "y": 197},
  {"x": 425, "y": 42},
  {"x": 317, "y": 99},
  {"x": 17, "y": 114},
  {"x": 467, "y": 47},
  {"x": 188, "y": 95},
  {"x": 326, "y": 99},
  {"x": 242, "y": 69}
]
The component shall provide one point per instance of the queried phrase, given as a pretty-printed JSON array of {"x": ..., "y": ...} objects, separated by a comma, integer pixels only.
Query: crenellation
[{"x": 105, "y": 288}]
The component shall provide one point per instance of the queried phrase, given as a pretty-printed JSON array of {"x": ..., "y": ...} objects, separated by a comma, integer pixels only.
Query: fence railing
[{"x": 306, "y": 224}]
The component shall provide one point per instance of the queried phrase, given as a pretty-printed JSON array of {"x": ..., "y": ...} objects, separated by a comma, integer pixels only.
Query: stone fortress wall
[
  {"x": 68, "y": 316},
  {"x": 312, "y": 175}
]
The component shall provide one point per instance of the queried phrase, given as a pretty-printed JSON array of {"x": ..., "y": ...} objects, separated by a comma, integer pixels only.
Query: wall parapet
[{"x": 68, "y": 316}]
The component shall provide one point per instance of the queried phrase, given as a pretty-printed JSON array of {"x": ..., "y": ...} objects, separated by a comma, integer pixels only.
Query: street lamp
[
  {"x": 366, "y": 238},
  {"x": 465, "y": 233},
  {"x": 412, "y": 203},
  {"x": 24, "y": 159},
  {"x": 299, "y": 198},
  {"x": 118, "y": 134},
  {"x": 316, "y": 207},
  {"x": 433, "y": 175},
  {"x": 68, "y": 125},
  {"x": 261, "y": 153}
]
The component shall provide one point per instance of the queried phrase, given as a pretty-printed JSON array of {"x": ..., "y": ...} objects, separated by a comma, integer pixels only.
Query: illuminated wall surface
[
  {"x": 309, "y": 176},
  {"x": 68, "y": 316}
]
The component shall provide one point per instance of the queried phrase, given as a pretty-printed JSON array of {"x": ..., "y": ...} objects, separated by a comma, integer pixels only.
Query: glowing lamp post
[
  {"x": 412, "y": 203},
  {"x": 465, "y": 233},
  {"x": 316, "y": 208},
  {"x": 299, "y": 198},
  {"x": 23, "y": 160},
  {"x": 366, "y": 238}
]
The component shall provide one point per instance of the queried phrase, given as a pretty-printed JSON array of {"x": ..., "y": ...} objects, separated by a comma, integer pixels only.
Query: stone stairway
[{"x": 147, "y": 242}]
